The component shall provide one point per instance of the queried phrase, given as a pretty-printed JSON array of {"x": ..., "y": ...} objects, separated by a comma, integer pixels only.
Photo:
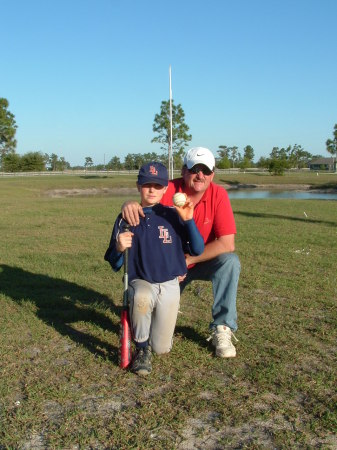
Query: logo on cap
[{"x": 153, "y": 170}]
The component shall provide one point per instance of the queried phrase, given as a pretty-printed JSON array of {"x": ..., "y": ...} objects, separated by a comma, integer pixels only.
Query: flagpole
[{"x": 170, "y": 155}]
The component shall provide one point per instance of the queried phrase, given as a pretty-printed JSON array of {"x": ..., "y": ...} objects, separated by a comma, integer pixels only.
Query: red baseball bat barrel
[{"x": 125, "y": 340}]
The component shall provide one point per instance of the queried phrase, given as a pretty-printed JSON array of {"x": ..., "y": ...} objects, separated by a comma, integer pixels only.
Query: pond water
[{"x": 265, "y": 194}]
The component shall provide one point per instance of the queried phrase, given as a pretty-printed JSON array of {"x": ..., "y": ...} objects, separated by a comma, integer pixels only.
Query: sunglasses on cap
[{"x": 200, "y": 168}]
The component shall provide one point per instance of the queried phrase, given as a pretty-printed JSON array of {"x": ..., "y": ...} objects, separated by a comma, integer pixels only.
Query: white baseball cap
[{"x": 199, "y": 155}]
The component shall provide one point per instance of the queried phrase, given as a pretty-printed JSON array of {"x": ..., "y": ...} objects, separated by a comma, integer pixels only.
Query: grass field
[{"x": 60, "y": 386}]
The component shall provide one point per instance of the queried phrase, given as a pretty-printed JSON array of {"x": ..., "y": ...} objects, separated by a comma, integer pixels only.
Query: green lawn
[{"x": 60, "y": 385}]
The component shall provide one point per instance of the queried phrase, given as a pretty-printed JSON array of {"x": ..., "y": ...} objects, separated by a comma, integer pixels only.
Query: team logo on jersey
[
  {"x": 164, "y": 235},
  {"x": 153, "y": 170}
]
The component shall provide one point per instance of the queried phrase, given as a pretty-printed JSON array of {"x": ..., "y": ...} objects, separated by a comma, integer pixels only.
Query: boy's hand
[{"x": 124, "y": 241}]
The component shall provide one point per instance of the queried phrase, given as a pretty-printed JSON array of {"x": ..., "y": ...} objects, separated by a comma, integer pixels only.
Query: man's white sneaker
[{"x": 221, "y": 339}]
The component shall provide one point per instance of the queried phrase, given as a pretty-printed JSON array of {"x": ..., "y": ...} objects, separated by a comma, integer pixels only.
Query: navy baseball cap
[{"x": 153, "y": 172}]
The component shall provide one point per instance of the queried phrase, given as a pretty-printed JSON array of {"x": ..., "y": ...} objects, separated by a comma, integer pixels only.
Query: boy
[{"x": 156, "y": 262}]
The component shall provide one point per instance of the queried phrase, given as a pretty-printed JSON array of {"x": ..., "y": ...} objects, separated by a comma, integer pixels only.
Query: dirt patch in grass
[
  {"x": 90, "y": 192},
  {"x": 283, "y": 187},
  {"x": 128, "y": 191},
  {"x": 206, "y": 432}
]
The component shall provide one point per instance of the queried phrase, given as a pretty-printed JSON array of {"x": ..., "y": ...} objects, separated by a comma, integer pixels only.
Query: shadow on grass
[
  {"x": 60, "y": 303},
  {"x": 192, "y": 335},
  {"x": 278, "y": 216},
  {"x": 329, "y": 186}
]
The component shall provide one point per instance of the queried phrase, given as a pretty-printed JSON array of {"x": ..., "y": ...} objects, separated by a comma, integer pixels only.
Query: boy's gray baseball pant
[{"x": 153, "y": 312}]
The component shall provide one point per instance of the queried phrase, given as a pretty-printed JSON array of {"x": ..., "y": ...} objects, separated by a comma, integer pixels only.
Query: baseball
[{"x": 179, "y": 199}]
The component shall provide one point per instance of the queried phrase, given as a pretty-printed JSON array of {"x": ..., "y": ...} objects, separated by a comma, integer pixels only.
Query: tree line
[{"x": 279, "y": 159}]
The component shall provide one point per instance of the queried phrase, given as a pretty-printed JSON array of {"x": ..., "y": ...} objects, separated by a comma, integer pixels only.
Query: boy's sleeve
[
  {"x": 114, "y": 257},
  {"x": 195, "y": 242}
]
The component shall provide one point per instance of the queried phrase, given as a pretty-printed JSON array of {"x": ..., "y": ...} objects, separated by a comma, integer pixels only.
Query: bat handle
[{"x": 126, "y": 275}]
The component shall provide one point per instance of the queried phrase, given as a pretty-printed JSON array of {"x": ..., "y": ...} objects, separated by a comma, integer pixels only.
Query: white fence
[
  {"x": 109, "y": 172},
  {"x": 69, "y": 172}
]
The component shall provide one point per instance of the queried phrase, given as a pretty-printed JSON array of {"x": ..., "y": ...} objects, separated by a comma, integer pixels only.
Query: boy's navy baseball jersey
[{"x": 158, "y": 245}]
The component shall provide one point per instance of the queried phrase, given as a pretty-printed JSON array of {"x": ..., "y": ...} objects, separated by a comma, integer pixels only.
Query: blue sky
[{"x": 86, "y": 77}]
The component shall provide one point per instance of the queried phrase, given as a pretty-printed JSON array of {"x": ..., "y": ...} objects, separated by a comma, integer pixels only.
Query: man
[
  {"x": 214, "y": 218},
  {"x": 158, "y": 246}
]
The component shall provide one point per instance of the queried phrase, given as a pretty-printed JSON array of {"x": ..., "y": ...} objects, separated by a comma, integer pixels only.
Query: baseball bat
[{"x": 125, "y": 326}]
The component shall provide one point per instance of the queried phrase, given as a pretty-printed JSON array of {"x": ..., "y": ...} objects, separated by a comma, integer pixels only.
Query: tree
[
  {"x": 53, "y": 161},
  {"x": 277, "y": 166},
  {"x": 280, "y": 153},
  {"x": 149, "y": 157},
  {"x": 223, "y": 151},
  {"x": 88, "y": 162},
  {"x": 33, "y": 162},
  {"x": 161, "y": 126},
  {"x": 7, "y": 129},
  {"x": 245, "y": 163},
  {"x": 227, "y": 154},
  {"x": 298, "y": 157},
  {"x": 248, "y": 154},
  {"x": 138, "y": 160},
  {"x": 263, "y": 162},
  {"x": 11, "y": 162},
  {"x": 57, "y": 163},
  {"x": 63, "y": 164},
  {"x": 278, "y": 161},
  {"x": 316, "y": 157},
  {"x": 130, "y": 162},
  {"x": 223, "y": 162},
  {"x": 46, "y": 159},
  {"x": 234, "y": 154},
  {"x": 178, "y": 159},
  {"x": 331, "y": 144},
  {"x": 114, "y": 163}
]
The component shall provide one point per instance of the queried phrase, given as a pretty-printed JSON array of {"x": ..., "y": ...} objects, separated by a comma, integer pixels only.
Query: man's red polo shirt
[{"x": 213, "y": 214}]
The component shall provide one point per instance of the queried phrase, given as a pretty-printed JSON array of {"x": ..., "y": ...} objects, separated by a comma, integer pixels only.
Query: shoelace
[{"x": 221, "y": 337}]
